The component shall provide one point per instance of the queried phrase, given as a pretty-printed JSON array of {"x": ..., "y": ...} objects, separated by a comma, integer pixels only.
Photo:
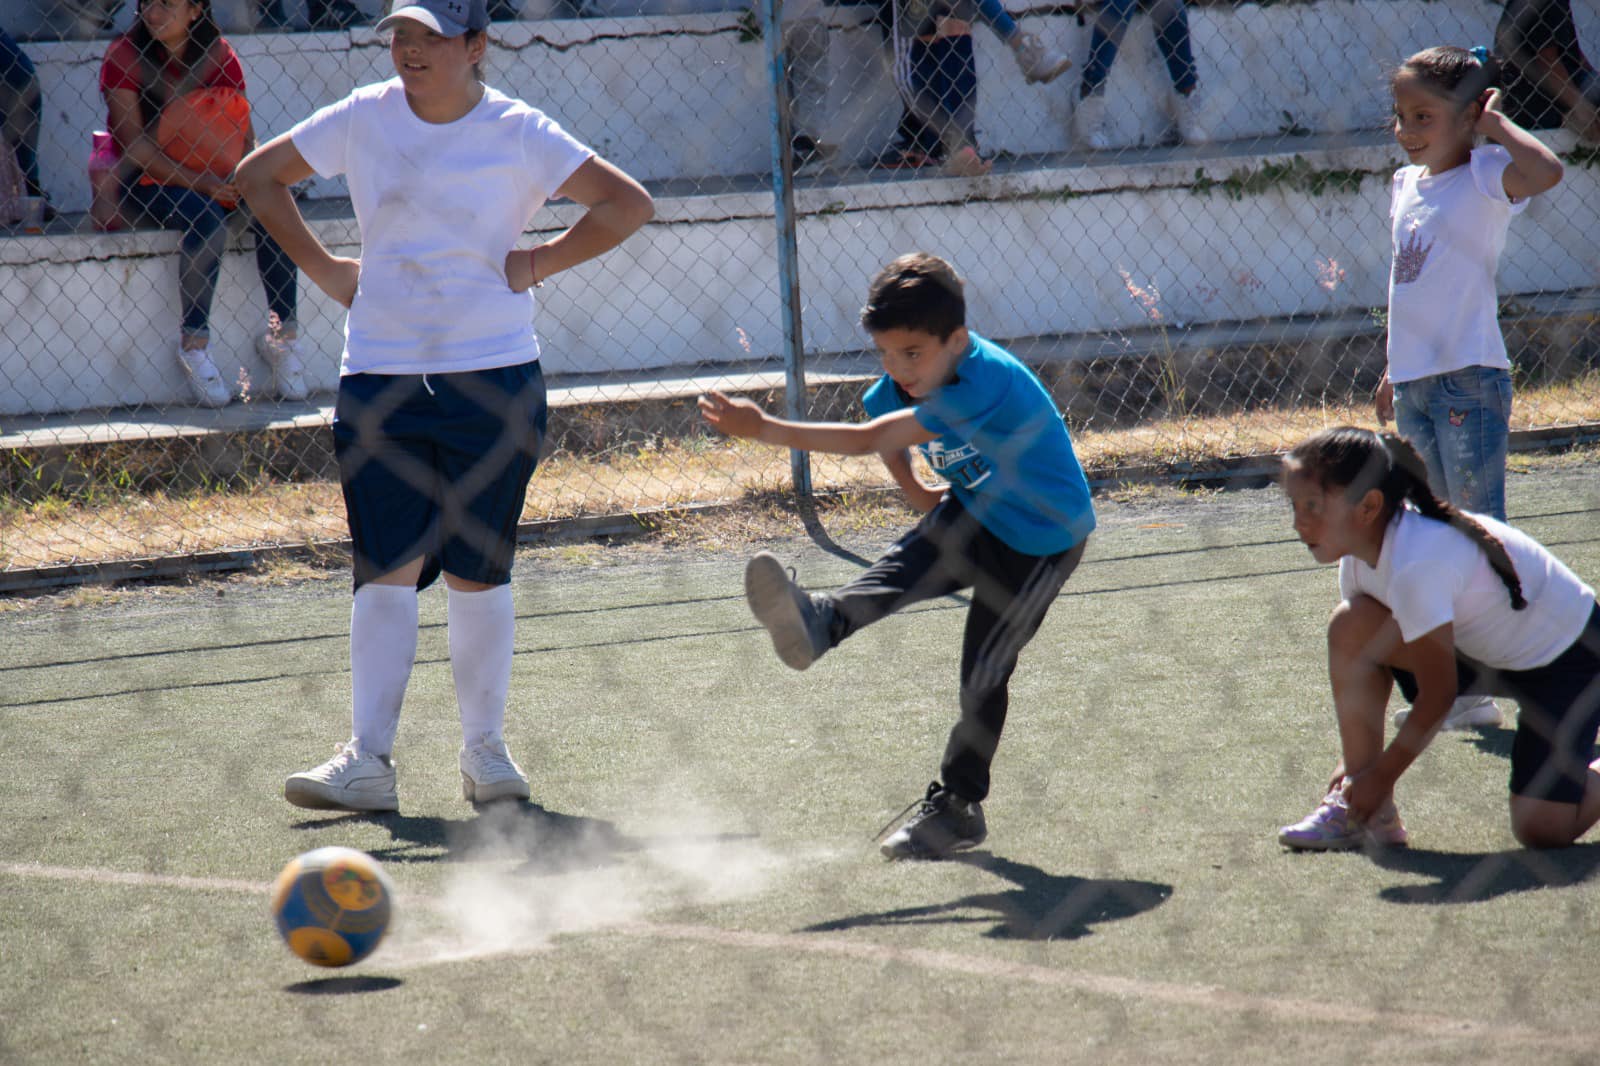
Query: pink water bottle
[{"x": 105, "y": 183}]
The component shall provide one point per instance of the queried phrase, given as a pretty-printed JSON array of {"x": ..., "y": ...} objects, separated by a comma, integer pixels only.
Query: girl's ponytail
[{"x": 1409, "y": 477}]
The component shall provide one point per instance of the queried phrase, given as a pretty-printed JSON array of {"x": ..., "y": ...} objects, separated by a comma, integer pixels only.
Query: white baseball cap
[{"x": 448, "y": 18}]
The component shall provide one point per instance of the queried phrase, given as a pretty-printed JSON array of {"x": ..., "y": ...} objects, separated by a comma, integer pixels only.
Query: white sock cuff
[{"x": 462, "y": 603}]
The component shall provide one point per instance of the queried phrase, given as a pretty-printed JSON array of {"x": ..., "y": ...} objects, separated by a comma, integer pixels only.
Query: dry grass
[{"x": 664, "y": 474}]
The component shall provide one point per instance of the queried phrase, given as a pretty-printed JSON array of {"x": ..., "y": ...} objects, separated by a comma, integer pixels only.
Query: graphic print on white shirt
[{"x": 1411, "y": 255}]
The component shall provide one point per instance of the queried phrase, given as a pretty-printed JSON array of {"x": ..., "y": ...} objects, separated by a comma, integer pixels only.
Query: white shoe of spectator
[
  {"x": 1038, "y": 61},
  {"x": 282, "y": 356},
  {"x": 1089, "y": 126},
  {"x": 1186, "y": 118},
  {"x": 205, "y": 381}
]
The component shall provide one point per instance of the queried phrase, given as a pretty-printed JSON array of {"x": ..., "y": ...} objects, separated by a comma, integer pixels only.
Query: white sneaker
[
  {"x": 205, "y": 381},
  {"x": 282, "y": 356},
  {"x": 488, "y": 772},
  {"x": 1038, "y": 61},
  {"x": 1089, "y": 126},
  {"x": 1466, "y": 714},
  {"x": 350, "y": 781},
  {"x": 1186, "y": 118}
]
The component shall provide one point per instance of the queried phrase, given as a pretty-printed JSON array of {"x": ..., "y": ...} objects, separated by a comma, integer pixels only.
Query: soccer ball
[{"x": 332, "y": 905}]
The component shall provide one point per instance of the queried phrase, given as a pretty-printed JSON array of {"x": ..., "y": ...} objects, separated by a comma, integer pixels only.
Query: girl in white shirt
[
  {"x": 441, "y": 406},
  {"x": 1442, "y": 602},
  {"x": 1448, "y": 380}
]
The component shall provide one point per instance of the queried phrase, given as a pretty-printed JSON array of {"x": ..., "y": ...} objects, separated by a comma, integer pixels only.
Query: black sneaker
[
  {"x": 944, "y": 823},
  {"x": 797, "y": 624}
]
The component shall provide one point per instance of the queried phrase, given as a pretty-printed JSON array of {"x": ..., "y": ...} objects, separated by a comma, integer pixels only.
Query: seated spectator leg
[{"x": 19, "y": 109}]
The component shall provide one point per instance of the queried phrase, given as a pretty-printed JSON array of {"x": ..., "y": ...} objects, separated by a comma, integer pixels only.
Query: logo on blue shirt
[{"x": 962, "y": 466}]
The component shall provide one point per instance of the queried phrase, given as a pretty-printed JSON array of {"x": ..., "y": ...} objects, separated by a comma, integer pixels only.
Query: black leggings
[{"x": 1011, "y": 593}]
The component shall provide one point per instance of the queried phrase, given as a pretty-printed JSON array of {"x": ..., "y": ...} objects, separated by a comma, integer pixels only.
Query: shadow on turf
[
  {"x": 343, "y": 986},
  {"x": 1042, "y": 906},
  {"x": 1475, "y": 877},
  {"x": 549, "y": 841}
]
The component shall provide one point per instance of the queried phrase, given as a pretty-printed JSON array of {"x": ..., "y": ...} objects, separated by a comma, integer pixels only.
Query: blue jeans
[
  {"x": 1460, "y": 422},
  {"x": 1172, "y": 37},
  {"x": 205, "y": 237}
]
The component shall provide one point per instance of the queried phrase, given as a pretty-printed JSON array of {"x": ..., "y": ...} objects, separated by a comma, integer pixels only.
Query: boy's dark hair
[
  {"x": 1460, "y": 75},
  {"x": 917, "y": 291},
  {"x": 1359, "y": 460}
]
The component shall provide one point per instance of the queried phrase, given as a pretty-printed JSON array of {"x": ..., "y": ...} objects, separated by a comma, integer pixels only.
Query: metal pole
[{"x": 788, "y": 254}]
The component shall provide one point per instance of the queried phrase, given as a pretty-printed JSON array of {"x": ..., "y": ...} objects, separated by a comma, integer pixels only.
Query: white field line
[{"x": 1205, "y": 997}]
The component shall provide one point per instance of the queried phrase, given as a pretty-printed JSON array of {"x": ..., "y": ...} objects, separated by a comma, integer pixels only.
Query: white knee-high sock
[
  {"x": 383, "y": 647},
  {"x": 482, "y": 630}
]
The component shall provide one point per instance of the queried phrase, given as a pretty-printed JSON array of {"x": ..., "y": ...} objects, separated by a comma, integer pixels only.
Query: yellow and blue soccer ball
[{"x": 333, "y": 905}]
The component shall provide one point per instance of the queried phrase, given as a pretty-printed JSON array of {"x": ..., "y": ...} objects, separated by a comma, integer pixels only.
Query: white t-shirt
[
  {"x": 1449, "y": 230},
  {"x": 438, "y": 206},
  {"x": 1430, "y": 573}
]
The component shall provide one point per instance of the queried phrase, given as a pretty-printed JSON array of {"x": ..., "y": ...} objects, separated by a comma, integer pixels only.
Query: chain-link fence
[{"x": 1178, "y": 216}]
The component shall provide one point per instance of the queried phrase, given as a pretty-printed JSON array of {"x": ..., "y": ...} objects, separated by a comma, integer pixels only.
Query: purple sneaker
[{"x": 1330, "y": 828}]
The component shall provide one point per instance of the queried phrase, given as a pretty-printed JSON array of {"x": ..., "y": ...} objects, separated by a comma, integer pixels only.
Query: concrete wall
[{"x": 90, "y": 320}]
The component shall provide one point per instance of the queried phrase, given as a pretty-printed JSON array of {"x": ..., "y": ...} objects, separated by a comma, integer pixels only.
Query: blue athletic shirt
[{"x": 1004, "y": 449}]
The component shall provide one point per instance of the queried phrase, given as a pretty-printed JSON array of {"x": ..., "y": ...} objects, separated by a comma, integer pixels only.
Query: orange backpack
[{"x": 204, "y": 130}]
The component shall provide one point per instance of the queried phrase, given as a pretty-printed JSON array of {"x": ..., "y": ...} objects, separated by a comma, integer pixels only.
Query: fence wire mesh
[{"x": 1178, "y": 215}]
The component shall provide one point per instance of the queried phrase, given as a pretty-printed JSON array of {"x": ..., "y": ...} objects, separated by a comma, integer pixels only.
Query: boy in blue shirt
[{"x": 1010, "y": 523}]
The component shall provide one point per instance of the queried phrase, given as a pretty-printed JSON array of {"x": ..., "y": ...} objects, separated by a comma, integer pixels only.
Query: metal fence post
[{"x": 788, "y": 254}]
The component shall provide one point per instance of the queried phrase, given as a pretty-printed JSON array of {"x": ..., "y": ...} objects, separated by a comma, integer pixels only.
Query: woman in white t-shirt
[
  {"x": 1441, "y": 602},
  {"x": 441, "y": 406}
]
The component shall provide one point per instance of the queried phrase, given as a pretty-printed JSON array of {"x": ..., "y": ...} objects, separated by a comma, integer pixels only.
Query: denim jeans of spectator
[
  {"x": 1460, "y": 422},
  {"x": 204, "y": 225},
  {"x": 1171, "y": 18}
]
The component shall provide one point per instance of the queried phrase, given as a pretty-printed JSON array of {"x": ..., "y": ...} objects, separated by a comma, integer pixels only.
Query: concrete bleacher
[{"x": 89, "y": 319}]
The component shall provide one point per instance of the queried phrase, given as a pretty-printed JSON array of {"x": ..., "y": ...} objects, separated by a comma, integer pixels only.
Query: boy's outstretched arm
[{"x": 742, "y": 418}]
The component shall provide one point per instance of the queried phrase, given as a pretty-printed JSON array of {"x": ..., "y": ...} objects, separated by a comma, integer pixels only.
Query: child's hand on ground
[
  {"x": 1365, "y": 793},
  {"x": 735, "y": 417}
]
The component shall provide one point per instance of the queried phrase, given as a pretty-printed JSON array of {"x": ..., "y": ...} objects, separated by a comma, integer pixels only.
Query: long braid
[
  {"x": 1412, "y": 474},
  {"x": 1359, "y": 460}
]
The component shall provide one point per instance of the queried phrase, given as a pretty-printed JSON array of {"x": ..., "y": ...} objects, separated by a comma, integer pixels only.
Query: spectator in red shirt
[{"x": 172, "y": 49}]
